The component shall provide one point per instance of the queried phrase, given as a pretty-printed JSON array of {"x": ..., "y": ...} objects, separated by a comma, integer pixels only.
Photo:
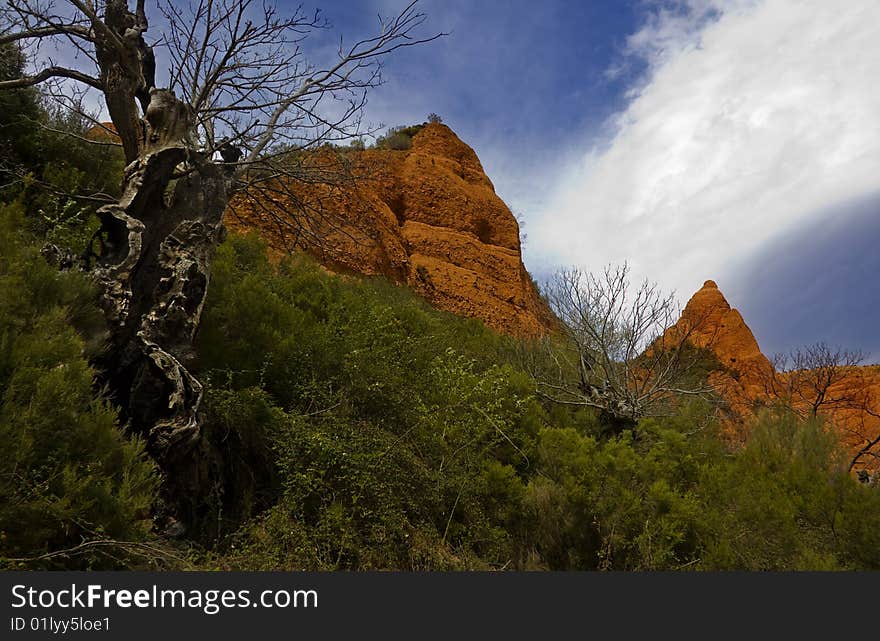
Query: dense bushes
[
  {"x": 786, "y": 502},
  {"x": 403, "y": 437},
  {"x": 53, "y": 164},
  {"x": 673, "y": 500},
  {"x": 354, "y": 427},
  {"x": 620, "y": 503},
  {"x": 67, "y": 474},
  {"x": 19, "y": 110},
  {"x": 386, "y": 435}
]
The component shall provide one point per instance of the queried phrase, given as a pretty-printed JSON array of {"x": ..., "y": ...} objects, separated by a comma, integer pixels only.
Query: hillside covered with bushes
[
  {"x": 347, "y": 424},
  {"x": 360, "y": 429}
]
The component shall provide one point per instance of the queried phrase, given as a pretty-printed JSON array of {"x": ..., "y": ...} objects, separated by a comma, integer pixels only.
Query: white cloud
[{"x": 752, "y": 116}]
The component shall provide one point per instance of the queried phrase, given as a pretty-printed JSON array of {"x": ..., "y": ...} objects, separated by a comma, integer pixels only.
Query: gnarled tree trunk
[{"x": 157, "y": 245}]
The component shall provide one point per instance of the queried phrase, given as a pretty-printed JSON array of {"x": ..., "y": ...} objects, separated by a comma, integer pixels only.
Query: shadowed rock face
[
  {"x": 749, "y": 380},
  {"x": 427, "y": 217}
]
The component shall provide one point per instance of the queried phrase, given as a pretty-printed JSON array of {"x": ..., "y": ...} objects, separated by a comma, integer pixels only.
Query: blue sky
[
  {"x": 737, "y": 140},
  {"x": 505, "y": 67}
]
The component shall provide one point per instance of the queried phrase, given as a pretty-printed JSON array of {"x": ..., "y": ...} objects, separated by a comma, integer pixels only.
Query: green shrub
[
  {"x": 384, "y": 436},
  {"x": 406, "y": 438},
  {"x": 19, "y": 112},
  {"x": 398, "y": 138},
  {"x": 68, "y": 475},
  {"x": 50, "y": 165},
  {"x": 786, "y": 502},
  {"x": 616, "y": 504}
]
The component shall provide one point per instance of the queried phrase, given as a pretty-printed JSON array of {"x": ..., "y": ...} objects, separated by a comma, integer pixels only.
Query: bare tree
[
  {"x": 813, "y": 379},
  {"x": 621, "y": 350},
  {"x": 868, "y": 431},
  {"x": 820, "y": 380},
  {"x": 239, "y": 106}
]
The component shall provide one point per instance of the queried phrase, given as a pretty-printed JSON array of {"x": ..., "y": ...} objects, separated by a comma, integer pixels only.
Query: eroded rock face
[
  {"x": 749, "y": 381},
  {"x": 427, "y": 217},
  {"x": 718, "y": 326},
  {"x": 746, "y": 372}
]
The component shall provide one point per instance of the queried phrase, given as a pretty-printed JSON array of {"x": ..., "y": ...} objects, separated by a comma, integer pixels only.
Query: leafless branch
[
  {"x": 622, "y": 351},
  {"x": 816, "y": 379},
  {"x": 46, "y": 74},
  {"x": 44, "y": 32},
  {"x": 154, "y": 554}
]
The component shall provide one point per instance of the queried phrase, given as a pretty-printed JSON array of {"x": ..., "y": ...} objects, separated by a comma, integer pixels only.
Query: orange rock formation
[
  {"x": 749, "y": 380},
  {"x": 427, "y": 217}
]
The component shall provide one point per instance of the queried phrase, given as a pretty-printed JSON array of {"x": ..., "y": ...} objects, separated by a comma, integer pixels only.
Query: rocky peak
[
  {"x": 427, "y": 217},
  {"x": 749, "y": 381},
  {"x": 714, "y": 324}
]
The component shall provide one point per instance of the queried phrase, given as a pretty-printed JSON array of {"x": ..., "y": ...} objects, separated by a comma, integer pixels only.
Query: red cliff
[{"x": 427, "y": 217}]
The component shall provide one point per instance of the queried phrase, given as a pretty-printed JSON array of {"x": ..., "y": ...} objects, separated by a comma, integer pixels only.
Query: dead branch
[{"x": 619, "y": 353}]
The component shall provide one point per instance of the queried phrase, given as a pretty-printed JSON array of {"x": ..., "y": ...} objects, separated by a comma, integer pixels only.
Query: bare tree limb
[
  {"x": 51, "y": 72},
  {"x": 46, "y": 31},
  {"x": 619, "y": 353}
]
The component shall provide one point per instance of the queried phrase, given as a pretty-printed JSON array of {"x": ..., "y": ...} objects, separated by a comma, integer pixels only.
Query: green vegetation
[
  {"x": 51, "y": 164},
  {"x": 19, "y": 109},
  {"x": 68, "y": 474},
  {"x": 361, "y": 429},
  {"x": 403, "y": 437},
  {"x": 382, "y": 433},
  {"x": 398, "y": 138},
  {"x": 348, "y": 425}
]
